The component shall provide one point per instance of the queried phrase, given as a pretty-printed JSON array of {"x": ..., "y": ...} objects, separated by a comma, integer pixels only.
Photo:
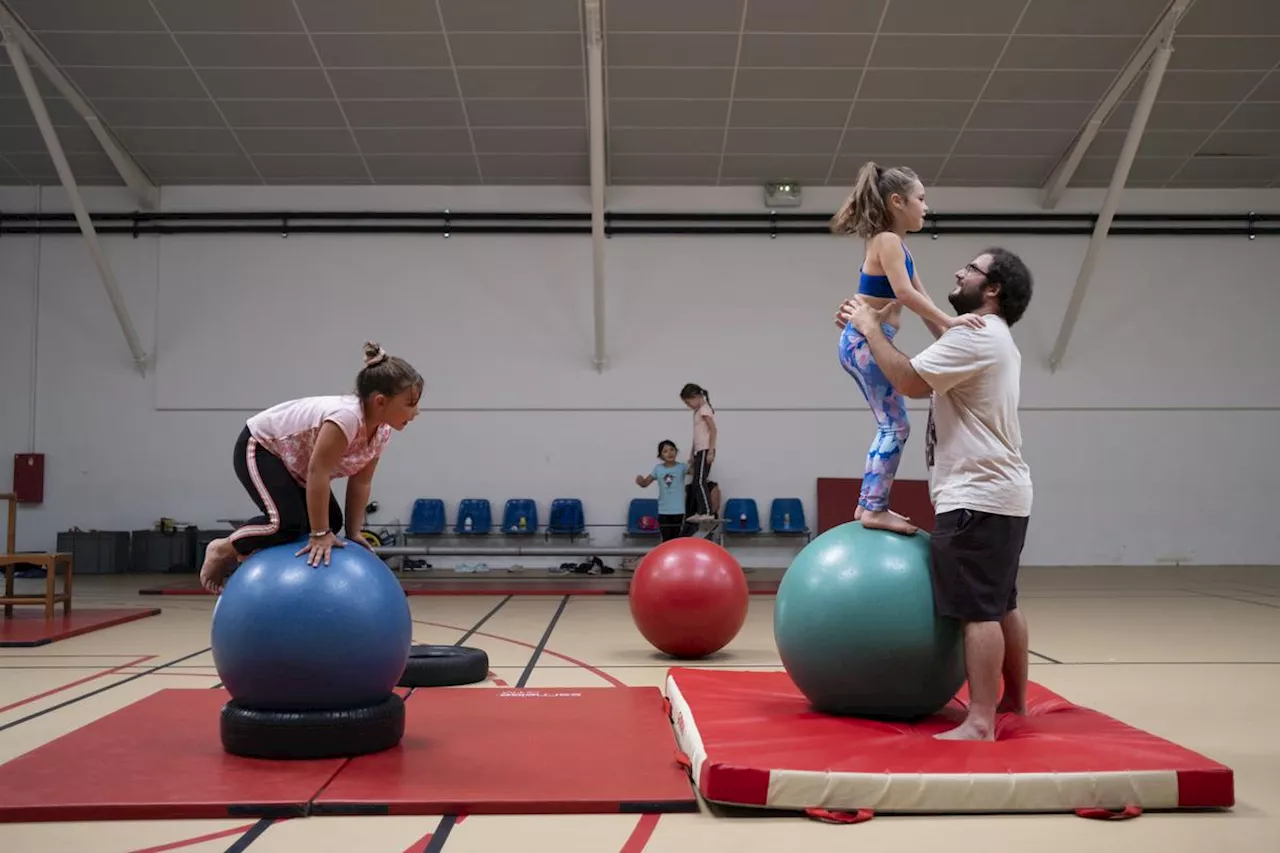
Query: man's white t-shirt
[{"x": 974, "y": 443}]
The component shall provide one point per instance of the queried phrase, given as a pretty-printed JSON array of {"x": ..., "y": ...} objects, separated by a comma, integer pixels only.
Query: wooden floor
[{"x": 1192, "y": 655}]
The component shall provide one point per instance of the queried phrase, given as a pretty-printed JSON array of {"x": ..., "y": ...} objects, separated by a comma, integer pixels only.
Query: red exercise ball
[{"x": 689, "y": 597}]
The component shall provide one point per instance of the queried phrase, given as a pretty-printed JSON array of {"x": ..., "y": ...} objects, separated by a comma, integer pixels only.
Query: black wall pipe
[{"x": 446, "y": 222}]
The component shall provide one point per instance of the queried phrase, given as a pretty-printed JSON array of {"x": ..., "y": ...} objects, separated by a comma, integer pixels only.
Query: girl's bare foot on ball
[
  {"x": 860, "y": 509},
  {"x": 887, "y": 521},
  {"x": 219, "y": 556}
]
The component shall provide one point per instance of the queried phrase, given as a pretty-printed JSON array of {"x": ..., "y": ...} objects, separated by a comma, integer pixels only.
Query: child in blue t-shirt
[{"x": 669, "y": 475}]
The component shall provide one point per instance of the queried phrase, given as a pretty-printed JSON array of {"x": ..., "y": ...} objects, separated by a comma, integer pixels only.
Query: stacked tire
[{"x": 293, "y": 735}]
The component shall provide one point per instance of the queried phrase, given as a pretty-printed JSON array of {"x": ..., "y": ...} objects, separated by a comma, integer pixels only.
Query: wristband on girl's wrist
[{"x": 319, "y": 534}]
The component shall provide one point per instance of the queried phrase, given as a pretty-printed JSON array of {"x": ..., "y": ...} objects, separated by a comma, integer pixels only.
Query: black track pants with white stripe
[
  {"x": 281, "y": 500},
  {"x": 701, "y": 497}
]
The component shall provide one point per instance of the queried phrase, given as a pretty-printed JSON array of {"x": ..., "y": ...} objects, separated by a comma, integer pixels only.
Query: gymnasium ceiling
[{"x": 698, "y": 92}]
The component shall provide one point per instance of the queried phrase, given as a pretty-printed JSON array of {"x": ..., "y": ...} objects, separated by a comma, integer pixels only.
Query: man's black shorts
[{"x": 975, "y": 564}]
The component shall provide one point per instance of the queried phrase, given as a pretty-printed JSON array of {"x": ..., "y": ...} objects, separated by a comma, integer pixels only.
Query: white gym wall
[{"x": 1149, "y": 444}]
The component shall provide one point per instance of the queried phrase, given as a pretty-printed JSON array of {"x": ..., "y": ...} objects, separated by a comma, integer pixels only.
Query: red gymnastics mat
[
  {"x": 28, "y": 627},
  {"x": 752, "y": 739},
  {"x": 521, "y": 751},
  {"x": 157, "y": 759},
  {"x": 474, "y": 750}
]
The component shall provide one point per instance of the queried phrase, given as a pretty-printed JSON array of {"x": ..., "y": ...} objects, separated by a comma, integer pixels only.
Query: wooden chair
[{"x": 10, "y": 561}]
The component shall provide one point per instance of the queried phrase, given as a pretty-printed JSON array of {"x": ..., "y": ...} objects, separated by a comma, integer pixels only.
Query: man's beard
[{"x": 965, "y": 302}]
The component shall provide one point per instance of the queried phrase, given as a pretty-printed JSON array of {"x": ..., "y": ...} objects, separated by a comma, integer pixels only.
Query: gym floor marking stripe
[
  {"x": 596, "y": 671},
  {"x": 640, "y": 836},
  {"x": 75, "y": 683},
  {"x": 243, "y": 842},
  {"x": 1239, "y": 600},
  {"x": 483, "y": 619},
  {"x": 542, "y": 644},
  {"x": 199, "y": 839},
  {"x": 91, "y": 693},
  {"x": 438, "y": 838}
]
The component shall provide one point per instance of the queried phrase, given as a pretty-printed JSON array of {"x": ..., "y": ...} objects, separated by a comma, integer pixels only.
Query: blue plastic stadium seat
[
  {"x": 641, "y": 508},
  {"x": 478, "y": 512},
  {"x": 427, "y": 518},
  {"x": 520, "y": 517},
  {"x": 786, "y": 517},
  {"x": 741, "y": 516},
  {"x": 567, "y": 517}
]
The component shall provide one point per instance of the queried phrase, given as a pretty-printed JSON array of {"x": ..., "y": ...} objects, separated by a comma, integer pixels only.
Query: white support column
[
  {"x": 1112, "y": 200},
  {"x": 1058, "y": 181},
  {"x": 595, "y": 94},
  {"x": 23, "y": 70},
  {"x": 130, "y": 172}
]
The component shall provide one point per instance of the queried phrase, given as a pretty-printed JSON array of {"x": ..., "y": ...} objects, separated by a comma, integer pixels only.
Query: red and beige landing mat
[
  {"x": 752, "y": 739},
  {"x": 464, "y": 751},
  {"x": 27, "y": 626}
]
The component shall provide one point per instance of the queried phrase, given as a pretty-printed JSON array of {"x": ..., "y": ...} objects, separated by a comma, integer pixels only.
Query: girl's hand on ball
[{"x": 319, "y": 548}]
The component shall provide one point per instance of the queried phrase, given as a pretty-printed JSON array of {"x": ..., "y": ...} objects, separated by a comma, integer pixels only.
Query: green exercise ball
[{"x": 856, "y": 629}]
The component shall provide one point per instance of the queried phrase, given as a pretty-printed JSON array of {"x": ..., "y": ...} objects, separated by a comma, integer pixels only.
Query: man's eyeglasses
[{"x": 974, "y": 268}]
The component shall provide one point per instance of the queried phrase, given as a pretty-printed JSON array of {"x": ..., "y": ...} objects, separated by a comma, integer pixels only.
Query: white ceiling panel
[{"x": 697, "y": 91}]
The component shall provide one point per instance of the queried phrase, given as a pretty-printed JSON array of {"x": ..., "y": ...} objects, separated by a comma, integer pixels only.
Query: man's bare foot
[
  {"x": 1011, "y": 706},
  {"x": 890, "y": 521},
  {"x": 969, "y": 730},
  {"x": 219, "y": 556}
]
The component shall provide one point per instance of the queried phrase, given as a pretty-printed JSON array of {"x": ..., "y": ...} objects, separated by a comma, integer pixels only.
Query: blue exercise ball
[
  {"x": 292, "y": 637},
  {"x": 856, "y": 628}
]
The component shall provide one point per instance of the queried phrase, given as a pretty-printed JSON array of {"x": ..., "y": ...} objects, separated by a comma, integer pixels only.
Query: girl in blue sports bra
[{"x": 885, "y": 204}]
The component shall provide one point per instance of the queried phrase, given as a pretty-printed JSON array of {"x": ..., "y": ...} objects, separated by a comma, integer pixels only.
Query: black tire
[
  {"x": 444, "y": 666},
  {"x": 312, "y": 734}
]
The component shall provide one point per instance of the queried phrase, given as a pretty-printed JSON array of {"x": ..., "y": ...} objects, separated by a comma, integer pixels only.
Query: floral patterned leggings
[{"x": 890, "y": 410}]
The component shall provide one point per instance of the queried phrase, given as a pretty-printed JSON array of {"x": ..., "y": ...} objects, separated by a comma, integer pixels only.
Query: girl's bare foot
[
  {"x": 890, "y": 521},
  {"x": 857, "y": 514},
  {"x": 219, "y": 556}
]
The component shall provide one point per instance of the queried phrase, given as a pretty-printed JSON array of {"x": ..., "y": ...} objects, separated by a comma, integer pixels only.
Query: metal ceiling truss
[
  {"x": 15, "y": 42},
  {"x": 1161, "y": 42}
]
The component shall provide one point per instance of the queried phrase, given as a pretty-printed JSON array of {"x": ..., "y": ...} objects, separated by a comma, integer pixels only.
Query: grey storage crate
[
  {"x": 154, "y": 551},
  {"x": 96, "y": 552},
  {"x": 204, "y": 536}
]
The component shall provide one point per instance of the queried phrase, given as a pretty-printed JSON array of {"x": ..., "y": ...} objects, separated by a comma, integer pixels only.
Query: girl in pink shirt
[
  {"x": 704, "y": 447},
  {"x": 287, "y": 455}
]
